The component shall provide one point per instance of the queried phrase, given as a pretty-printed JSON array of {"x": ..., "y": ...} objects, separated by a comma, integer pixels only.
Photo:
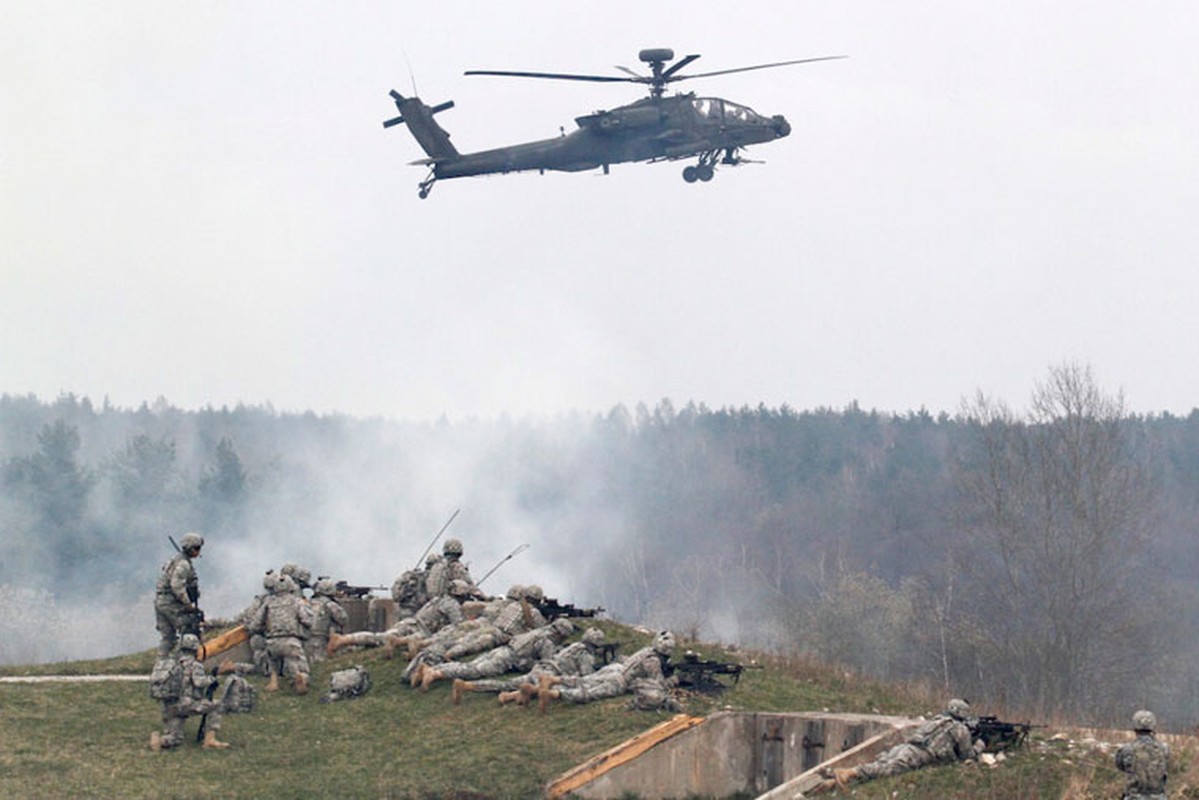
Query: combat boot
[
  {"x": 415, "y": 645},
  {"x": 273, "y": 684},
  {"x": 430, "y": 676},
  {"x": 210, "y": 741},
  {"x": 301, "y": 683},
  {"x": 545, "y": 697},
  {"x": 390, "y": 645},
  {"x": 414, "y": 678},
  {"x": 336, "y": 642},
  {"x": 156, "y": 742},
  {"x": 513, "y": 696},
  {"x": 460, "y": 686},
  {"x": 845, "y": 776},
  {"x": 527, "y": 692}
]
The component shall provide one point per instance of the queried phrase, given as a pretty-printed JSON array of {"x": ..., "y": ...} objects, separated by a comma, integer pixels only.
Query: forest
[{"x": 1037, "y": 558}]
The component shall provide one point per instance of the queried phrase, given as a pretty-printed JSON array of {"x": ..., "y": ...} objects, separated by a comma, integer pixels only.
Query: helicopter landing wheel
[
  {"x": 705, "y": 172},
  {"x": 690, "y": 174}
]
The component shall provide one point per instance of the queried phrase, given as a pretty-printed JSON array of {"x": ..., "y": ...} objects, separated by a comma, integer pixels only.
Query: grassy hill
[{"x": 90, "y": 740}]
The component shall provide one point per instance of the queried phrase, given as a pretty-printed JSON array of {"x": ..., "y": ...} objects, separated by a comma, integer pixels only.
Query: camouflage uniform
[
  {"x": 432, "y": 617},
  {"x": 942, "y": 739},
  {"x": 410, "y": 591},
  {"x": 175, "y": 596},
  {"x": 286, "y": 619},
  {"x": 501, "y": 621},
  {"x": 192, "y": 701},
  {"x": 449, "y": 569},
  {"x": 618, "y": 677},
  {"x": 257, "y": 637},
  {"x": 1145, "y": 760},
  {"x": 575, "y": 659},
  {"x": 519, "y": 655},
  {"x": 328, "y": 616}
]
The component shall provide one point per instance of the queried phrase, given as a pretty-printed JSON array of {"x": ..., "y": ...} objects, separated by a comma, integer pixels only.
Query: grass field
[{"x": 90, "y": 740}]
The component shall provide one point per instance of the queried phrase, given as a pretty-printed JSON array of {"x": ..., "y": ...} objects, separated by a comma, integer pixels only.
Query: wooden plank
[{"x": 226, "y": 641}]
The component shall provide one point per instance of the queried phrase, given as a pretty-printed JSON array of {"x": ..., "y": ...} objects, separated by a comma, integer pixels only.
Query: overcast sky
[{"x": 198, "y": 201}]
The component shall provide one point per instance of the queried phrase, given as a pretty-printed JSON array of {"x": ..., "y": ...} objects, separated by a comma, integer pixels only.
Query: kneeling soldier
[{"x": 184, "y": 690}]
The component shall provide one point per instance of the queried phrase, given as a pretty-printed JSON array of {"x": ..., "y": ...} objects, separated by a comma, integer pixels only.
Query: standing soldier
[
  {"x": 1145, "y": 760},
  {"x": 190, "y": 694},
  {"x": 449, "y": 569},
  {"x": 176, "y": 595},
  {"x": 286, "y": 620},
  {"x": 328, "y": 617}
]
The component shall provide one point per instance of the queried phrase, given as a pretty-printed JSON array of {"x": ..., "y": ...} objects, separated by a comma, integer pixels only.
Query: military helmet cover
[
  {"x": 534, "y": 592},
  {"x": 452, "y": 547},
  {"x": 298, "y": 574},
  {"x": 432, "y": 559},
  {"x": 562, "y": 626},
  {"x": 664, "y": 643},
  {"x": 958, "y": 708},
  {"x": 515, "y": 592},
  {"x": 270, "y": 581},
  {"x": 593, "y": 636},
  {"x": 459, "y": 588},
  {"x": 325, "y": 586},
  {"x": 189, "y": 642},
  {"x": 191, "y": 541},
  {"x": 1144, "y": 721},
  {"x": 286, "y": 585}
]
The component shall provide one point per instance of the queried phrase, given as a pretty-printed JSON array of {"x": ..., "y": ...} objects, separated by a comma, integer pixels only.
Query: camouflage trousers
[
  {"x": 490, "y": 664},
  {"x": 172, "y": 621},
  {"x": 896, "y": 761},
  {"x": 258, "y": 654},
  {"x": 175, "y": 714},
  {"x": 314, "y": 647},
  {"x": 607, "y": 682},
  {"x": 286, "y": 656},
  {"x": 1154, "y": 796}
]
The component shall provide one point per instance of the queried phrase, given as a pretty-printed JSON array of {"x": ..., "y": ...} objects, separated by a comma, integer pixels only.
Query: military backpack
[{"x": 166, "y": 679}]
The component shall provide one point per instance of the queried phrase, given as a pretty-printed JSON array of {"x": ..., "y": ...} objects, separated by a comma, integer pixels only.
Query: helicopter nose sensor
[{"x": 780, "y": 125}]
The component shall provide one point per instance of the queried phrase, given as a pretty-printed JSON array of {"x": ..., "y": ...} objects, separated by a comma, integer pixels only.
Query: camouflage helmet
[
  {"x": 300, "y": 575},
  {"x": 563, "y": 627},
  {"x": 189, "y": 642},
  {"x": 325, "y": 586},
  {"x": 432, "y": 559},
  {"x": 515, "y": 592},
  {"x": 452, "y": 547},
  {"x": 460, "y": 588},
  {"x": 534, "y": 593},
  {"x": 958, "y": 708},
  {"x": 191, "y": 541},
  {"x": 285, "y": 585},
  {"x": 593, "y": 636},
  {"x": 664, "y": 643},
  {"x": 270, "y": 581},
  {"x": 1144, "y": 721}
]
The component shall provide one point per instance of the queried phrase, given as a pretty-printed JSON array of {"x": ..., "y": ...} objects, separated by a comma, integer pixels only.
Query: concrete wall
[{"x": 740, "y": 752}]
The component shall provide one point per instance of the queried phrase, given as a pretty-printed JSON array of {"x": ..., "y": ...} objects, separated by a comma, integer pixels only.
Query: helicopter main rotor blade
[
  {"x": 759, "y": 66},
  {"x": 555, "y": 76},
  {"x": 678, "y": 65}
]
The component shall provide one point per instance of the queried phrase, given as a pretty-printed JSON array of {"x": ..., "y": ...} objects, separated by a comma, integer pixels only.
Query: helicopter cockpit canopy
[{"x": 715, "y": 108}]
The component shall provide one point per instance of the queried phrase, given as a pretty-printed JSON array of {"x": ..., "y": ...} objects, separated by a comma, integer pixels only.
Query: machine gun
[
  {"x": 999, "y": 735},
  {"x": 551, "y": 609},
  {"x": 349, "y": 590},
  {"x": 699, "y": 674}
]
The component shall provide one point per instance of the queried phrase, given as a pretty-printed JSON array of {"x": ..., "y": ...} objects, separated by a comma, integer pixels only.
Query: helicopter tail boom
[{"x": 433, "y": 139}]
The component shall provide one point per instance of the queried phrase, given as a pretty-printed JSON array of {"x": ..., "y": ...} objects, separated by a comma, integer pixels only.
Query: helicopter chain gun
[{"x": 711, "y": 130}]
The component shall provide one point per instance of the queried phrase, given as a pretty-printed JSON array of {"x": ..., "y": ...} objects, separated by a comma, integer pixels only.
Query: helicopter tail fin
[{"x": 432, "y": 137}]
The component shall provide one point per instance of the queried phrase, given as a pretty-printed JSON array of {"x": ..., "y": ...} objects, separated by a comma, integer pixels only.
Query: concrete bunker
[{"x": 766, "y": 755}]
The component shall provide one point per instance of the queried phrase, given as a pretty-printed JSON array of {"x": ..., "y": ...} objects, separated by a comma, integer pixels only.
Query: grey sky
[{"x": 198, "y": 201}]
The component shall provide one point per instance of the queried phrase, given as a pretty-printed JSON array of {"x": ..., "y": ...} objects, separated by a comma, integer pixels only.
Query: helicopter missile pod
[{"x": 656, "y": 128}]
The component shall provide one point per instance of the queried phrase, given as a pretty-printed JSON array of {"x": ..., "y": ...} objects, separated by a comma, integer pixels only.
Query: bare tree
[{"x": 1058, "y": 506}]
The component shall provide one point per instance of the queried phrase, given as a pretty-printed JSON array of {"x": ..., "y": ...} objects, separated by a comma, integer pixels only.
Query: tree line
[{"x": 1038, "y": 559}]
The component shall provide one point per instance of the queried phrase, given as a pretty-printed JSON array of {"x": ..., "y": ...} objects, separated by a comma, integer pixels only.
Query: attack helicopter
[{"x": 656, "y": 128}]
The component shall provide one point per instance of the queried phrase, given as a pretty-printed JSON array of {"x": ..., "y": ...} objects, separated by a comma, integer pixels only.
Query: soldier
[
  {"x": 176, "y": 595},
  {"x": 286, "y": 620},
  {"x": 410, "y": 591},
  {"x": 613, "y": 680},
  {"x": 1145, "y": 760},
  {"x": 189, "y": 696},
  {"x": 328, "y": 617},
  {"x": 944, "y": 738},
  {"x": 449, "y": 569},
  {"x": 301, "y": 576},
  {"x": 519, "y": 655},
  {"x": 498, "y": 621},
  {"x": 432, "y": 617},
  {"x": 574, "y": 659},
  {"x": 258, "y": 638}
]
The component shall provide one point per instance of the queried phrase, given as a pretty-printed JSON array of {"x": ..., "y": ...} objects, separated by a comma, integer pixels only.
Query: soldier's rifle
[
  {"x": 999, "y": 735},
  {"x": 420, "y": 562},
  {"x": 607, "y": 651},
  {"x": 350, "y": 590},
  {"x": 699, "y": 674},
  {"x": 551, "y": 609},
  {"x": 503, "y": 560}
]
